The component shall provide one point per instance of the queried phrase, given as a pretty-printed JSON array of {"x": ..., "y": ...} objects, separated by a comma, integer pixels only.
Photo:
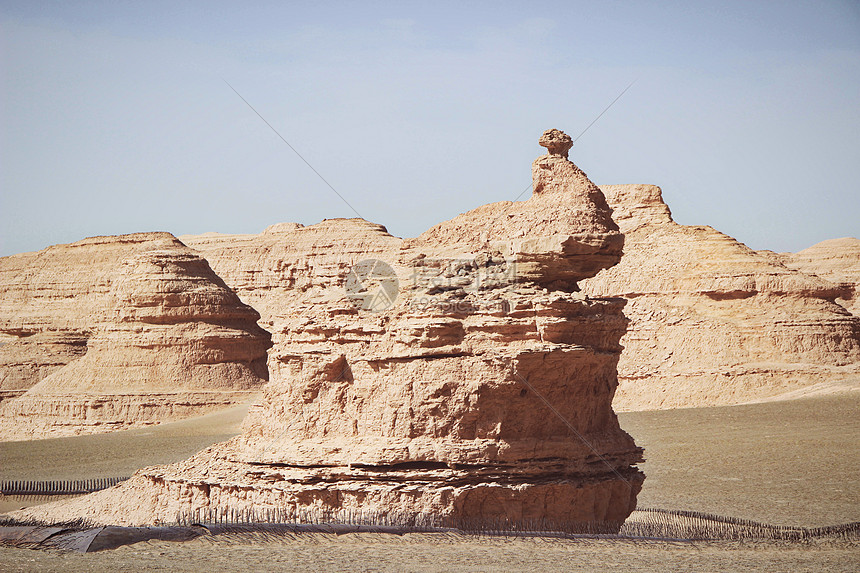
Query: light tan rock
[
  {"x": 288, "y": 261},
  {"x": 836, "y": 260},
  {"x": 24, "y": 360},
  {"x": 557, "y": 237},
  {"x": 478, "y": 394},
  {"x": 170, "y": 340},
  {"x": 713, "y": 322},
  {"x": 51, "y": 301},
  {"x": 66, "y": 287}
]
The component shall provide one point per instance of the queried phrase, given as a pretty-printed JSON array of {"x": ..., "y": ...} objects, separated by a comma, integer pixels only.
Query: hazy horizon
[{"x": 116, "y": 117}]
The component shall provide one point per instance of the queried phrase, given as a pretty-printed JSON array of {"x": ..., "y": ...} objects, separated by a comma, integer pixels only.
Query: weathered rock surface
[
  {"x": 469, "y": 396},
  {"x": 836, "y": 260},
  {"x": 713, "y": 322},
  {"x": 51, "y": 301},
  {"x": 25, "y": 360},
  {"x": 288, "y": 261},
  {"x": 165, "y": 339},
  {"x": 557, "y": 237}
]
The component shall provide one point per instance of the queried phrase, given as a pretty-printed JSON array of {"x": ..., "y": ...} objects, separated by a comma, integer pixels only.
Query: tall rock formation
[
  {"x": 164, "y": 338},
  {"x": 713, "y": 322},
  {"x": 457, "y": 375}
]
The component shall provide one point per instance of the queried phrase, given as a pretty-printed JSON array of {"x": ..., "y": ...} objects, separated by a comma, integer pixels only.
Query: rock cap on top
[{"x": 556, "y": 142}]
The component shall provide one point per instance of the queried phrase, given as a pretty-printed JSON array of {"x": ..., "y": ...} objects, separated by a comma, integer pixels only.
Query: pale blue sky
[{"x": 114, "y": 117}]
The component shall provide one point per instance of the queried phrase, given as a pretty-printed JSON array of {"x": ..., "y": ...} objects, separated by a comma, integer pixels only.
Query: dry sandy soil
[
  {"x": 790, "y": 463},
  {"x": 786, "y": 463},
  {"x": 439, "y": 552},
  {"x": 118, "y": 454}
]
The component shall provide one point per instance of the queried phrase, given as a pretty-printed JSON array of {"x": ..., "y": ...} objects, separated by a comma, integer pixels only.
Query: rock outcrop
[
  {"x": 53, "y": 300},
  {"x": 25, "y": 360},
  {"x": 713, "y": 322},
  {"x": 289, "y": 261},
  {"x": 556, "y": 237},
  {"x": 836, "y": 260},
  {"x": 476, "y": 392},
  {"x": 158, "y": 336}
]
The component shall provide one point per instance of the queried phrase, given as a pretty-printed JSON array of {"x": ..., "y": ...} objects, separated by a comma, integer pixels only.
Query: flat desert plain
[{"x": 787, "y": 462}]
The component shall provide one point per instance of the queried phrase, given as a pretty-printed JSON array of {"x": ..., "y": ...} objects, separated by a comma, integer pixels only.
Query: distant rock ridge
[
  {"x": 713, "y": 322},
  {"x": 434, "y": 404},
  {"x": 156, "y": 335},
  {"x": 289, "y": 260},
  {"x": 51, "y": 301},
  {"x": 836, "y": 260}
]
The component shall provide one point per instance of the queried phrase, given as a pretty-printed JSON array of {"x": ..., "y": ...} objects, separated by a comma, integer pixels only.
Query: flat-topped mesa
[
  {"x": 176, "y": 343},
  {"x": 562, "y": 234}
]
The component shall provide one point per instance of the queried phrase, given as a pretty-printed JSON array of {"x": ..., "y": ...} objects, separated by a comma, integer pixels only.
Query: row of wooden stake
[{"x": 58, "y": 487}]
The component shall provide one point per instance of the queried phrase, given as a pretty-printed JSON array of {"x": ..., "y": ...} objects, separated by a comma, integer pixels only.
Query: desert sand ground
[
  {"x": 118, "y": 454},
  {"x": 789, "y": 463},
  {"x": 439, "y": 552}
]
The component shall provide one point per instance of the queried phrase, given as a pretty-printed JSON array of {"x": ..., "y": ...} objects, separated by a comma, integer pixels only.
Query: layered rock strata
[
  {"x": 470, "y": 393},
  {"x": 168, "y": 340},
  {"x": 835, "y": 260},
  {"x": 556, "y": 237},
  {"x": 53, "y": 300},
  {"x": 288, "y": 261},
  {"x": 713, "y": 322},
  {"x": 25, "y": 360}
]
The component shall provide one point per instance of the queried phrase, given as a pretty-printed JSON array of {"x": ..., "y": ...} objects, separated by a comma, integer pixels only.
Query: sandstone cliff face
[
  {"x": 428, "y": 377},
  {"x": 25, "y": 360},
  {"x": 836, "y": 260},
  {"x": 713, "y": 322},
  {"x": 166, "y": 339},
  {"x": 51, "y": 301}
]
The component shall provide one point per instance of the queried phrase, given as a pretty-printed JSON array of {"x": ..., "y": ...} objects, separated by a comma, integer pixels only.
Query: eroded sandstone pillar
[{"x": 481, "y": 397}]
